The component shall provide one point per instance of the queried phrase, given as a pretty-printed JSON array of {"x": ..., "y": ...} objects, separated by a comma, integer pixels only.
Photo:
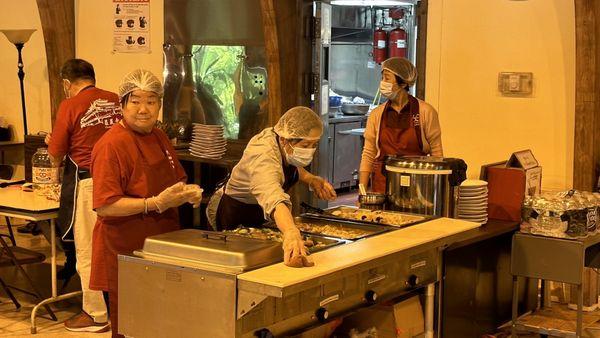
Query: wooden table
[{"x": 31, "y": 207}]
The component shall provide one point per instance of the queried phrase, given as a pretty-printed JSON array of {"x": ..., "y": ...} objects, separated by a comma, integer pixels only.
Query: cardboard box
[
  {"x": 509, "y": 182},
  {"x": 401, "y": 320}
]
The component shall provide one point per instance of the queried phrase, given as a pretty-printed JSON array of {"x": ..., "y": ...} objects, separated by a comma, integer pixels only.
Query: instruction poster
[{"x": 131, "y": 26}]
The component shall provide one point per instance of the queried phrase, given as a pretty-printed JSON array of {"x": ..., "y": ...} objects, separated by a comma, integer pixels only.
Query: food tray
[
  {"x": 270, "y": 234},
  {"x": 407, "y": 218},
  {"x": 366, "y": 230}
]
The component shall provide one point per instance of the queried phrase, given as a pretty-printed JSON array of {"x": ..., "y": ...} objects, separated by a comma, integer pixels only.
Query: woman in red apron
[
  {"x": 403, "y": 126},
  {"x": 138, "y": 184}
]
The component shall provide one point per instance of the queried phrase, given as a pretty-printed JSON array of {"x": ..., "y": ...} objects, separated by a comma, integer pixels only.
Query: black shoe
[{"x": 29, "y": 228}]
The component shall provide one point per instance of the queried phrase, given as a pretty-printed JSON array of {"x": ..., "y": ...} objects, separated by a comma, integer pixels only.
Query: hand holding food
[
  {"x": 322, "y": 189},
  {"x": 173, "y": 196},
  {"x": 197, "y": 197},
  {"x": 294, "y": 251}
]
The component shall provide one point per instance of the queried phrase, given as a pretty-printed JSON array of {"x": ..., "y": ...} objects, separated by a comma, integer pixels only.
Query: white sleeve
[{"x": 266, "y": 179}]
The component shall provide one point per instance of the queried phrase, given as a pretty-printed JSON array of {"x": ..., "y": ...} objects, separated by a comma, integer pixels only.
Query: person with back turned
[{"x": 82, "y": 118}]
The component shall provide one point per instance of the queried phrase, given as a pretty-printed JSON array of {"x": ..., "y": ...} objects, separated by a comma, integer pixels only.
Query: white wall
[
  {"x": 19, "y": 15},
  {"x": 469, "y": 42},
  {"x": 93, "y": 27}
]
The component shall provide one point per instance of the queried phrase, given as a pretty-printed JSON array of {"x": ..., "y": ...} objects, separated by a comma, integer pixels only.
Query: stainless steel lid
[
  {"x": 418, "y": 164},
  {"x": 213, "y": 248}
]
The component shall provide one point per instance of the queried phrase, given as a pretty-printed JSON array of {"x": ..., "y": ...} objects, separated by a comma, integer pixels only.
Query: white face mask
[
  {"x": 388, "y": 90},
  {"x": 300, "y": 157}
]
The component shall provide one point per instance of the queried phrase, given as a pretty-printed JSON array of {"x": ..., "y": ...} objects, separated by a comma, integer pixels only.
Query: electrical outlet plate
[{"x": 515, "y": 83}]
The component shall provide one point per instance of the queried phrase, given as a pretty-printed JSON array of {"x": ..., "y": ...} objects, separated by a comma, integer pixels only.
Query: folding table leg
[
  {"x": 12, "y": 257},
  {"x": 10, "y": 294},
  {"x": 10, "y": 231}
]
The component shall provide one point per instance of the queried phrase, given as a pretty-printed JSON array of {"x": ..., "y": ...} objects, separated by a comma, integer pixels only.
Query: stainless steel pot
[
  {"x": 418, "y": 185},
  {"x": 372, "y": 201},
  {"x": 355, "y": 108}
]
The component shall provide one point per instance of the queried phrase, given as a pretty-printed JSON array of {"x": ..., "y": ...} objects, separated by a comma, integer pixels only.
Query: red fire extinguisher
[
  {"x": 398, "y": 42},
  {"x": 379, "y": 45}
]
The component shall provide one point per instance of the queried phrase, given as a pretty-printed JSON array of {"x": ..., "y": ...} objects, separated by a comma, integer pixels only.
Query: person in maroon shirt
[
  {"x": 139, "y": 183},
  {"x": 82, "y": 118}
]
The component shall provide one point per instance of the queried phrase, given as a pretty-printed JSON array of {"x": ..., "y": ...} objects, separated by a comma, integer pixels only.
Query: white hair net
[
  {"x": 298, "y": 122},
  {"x": 140, "y": 79},
  {"x": 402, "y": 68}
]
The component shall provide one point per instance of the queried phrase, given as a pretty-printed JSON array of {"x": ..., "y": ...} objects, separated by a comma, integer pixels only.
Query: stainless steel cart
[{"x": 552, "y": 259}]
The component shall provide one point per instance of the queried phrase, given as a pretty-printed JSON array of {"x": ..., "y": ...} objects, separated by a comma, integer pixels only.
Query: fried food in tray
[
  {"x": 313, "y": 243},
  {"x": 333, "y": 230},
  {"x": 374, "y": 216}
]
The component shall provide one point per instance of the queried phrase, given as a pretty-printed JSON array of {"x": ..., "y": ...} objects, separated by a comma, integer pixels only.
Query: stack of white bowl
[
  {"x": 208, "y": 141},
  {"x": 473, "y": 201}
]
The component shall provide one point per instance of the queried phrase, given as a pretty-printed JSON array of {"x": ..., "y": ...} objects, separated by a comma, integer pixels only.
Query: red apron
[
  {"x": 122, "y": 235},
  {"x": 399, "y": 134}
]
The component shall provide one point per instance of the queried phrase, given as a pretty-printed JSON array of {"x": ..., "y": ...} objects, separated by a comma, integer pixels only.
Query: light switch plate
[{"x": 515, "y": 83}]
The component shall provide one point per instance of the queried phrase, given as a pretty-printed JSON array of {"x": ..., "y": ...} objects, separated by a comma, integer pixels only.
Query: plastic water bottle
[{"x": 43, "y": 175}]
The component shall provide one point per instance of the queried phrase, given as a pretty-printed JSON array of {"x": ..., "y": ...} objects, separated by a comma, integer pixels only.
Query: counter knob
[
  {"x": 371, "y": 296},
  {"x": 263, "y": 333},
  {"x": 413, "y": 281},
  {"x": 322, "y": 314}
]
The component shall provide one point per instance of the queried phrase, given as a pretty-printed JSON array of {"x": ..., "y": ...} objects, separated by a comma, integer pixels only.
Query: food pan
[
  {"x": 271, "y": 234},
  {"x": 407, "y": 219},
  {"x": 348, "y": 230}
]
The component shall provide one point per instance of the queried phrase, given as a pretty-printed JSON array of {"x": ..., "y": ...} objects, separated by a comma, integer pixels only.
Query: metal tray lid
[{"x": 213, "y": 248}]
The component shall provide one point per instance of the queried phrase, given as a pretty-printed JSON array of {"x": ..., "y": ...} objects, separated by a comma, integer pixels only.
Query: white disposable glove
[
  {"x": 197, "y": 197},
  {"x": 294, "y": 251},
  {"x": 173, "y": 197},
  {"x": 322, "y": 189}
]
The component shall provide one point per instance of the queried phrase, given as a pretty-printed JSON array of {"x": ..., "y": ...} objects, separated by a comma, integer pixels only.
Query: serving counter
[{"x": 168, "y": 296}]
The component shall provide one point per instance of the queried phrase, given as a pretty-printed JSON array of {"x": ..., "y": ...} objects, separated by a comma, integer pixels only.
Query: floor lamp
[{"x": 19, "y": 37}]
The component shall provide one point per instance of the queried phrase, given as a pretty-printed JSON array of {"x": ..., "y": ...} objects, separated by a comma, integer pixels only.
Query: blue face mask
[{"x": 300, "y": 157}]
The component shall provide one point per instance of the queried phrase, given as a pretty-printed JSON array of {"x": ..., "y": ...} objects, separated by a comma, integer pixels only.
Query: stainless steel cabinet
[{"x": 346, "y": 154}]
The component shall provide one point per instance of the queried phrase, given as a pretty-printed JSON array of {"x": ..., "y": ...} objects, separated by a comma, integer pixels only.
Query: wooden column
[
  {"x": 287, "y": 54},
  {"x": 587, "y": 94},
  {"x": 58, "y": 25},
  {"x": 421, "y": 14}
]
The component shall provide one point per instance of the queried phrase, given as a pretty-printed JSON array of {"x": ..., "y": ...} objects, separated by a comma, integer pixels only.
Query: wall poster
[{"x": 131, "y": 26}]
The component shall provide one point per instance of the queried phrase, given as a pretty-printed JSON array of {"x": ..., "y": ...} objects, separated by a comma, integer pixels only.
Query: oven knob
[
  {"x": 413, "y": 280},
  {"x": 322, "y": 314},
  {"x": 263, "y": 333},
  {"x": 371, "y": 296}
]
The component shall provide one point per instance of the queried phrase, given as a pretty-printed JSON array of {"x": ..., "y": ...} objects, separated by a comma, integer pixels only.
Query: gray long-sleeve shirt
[{"x": 258, "y": 178}]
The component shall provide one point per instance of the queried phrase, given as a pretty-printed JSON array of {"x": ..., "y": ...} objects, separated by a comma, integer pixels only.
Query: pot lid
[
  {"x": 417, "y": 162},
  {"x": 213, "y": 248}
]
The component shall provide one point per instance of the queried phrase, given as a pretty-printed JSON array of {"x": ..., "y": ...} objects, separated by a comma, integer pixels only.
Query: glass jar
[{"x": 43, "y": 175}]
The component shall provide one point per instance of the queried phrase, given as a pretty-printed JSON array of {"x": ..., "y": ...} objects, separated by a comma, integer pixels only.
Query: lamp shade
[{"x": 18, "y": 35}]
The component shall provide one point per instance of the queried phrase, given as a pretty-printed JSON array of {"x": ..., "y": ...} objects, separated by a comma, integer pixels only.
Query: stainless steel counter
[{"x": 167, "y": 297}]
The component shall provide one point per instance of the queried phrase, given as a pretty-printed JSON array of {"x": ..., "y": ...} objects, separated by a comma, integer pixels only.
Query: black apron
[
  {"x": 231, "y": 212},
  {"x": 68, "y": 196}
]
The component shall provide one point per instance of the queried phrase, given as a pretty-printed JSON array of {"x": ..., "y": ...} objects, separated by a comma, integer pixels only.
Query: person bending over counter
[
  {"x": 256, "y": 191},
  {"x": 402, "y": 126},
  {"x": 138, "y": 184}
]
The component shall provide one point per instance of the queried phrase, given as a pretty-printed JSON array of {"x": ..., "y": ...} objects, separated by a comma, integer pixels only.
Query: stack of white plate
[
  {"x": 208, "y": 141},
  {"x": 473, "y": 201}
]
